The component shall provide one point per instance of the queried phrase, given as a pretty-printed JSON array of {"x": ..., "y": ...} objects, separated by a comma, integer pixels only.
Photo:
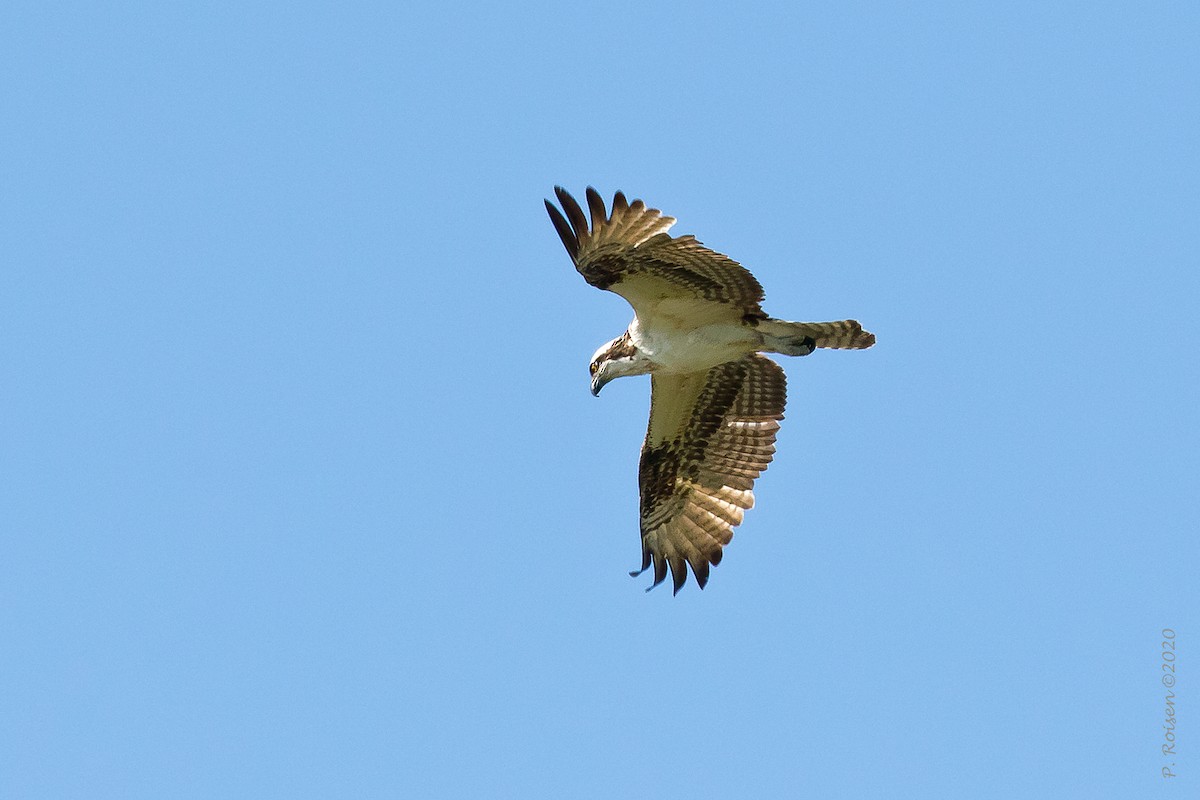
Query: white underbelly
[{"x": 694, "y": 349}]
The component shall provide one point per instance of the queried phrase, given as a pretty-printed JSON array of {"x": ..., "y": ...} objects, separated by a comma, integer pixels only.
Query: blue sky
[{"x": 303, "y": 493}]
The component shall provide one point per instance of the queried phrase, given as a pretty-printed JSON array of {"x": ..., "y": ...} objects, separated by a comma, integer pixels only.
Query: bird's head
[{"x": 614, "y": 360}]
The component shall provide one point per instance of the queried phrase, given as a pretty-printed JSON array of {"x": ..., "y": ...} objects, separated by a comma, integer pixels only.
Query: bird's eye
[{"x": 592, "y": 368}]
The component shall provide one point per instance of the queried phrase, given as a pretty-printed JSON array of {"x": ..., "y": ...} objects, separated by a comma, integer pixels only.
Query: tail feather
[{"x": 787, "y": 337}]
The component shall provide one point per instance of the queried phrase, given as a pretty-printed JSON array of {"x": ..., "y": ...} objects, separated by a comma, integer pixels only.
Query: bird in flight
[{"x": 699, "y": 331}]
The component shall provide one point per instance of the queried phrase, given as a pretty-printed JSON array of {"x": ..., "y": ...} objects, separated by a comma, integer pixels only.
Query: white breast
[{"x": 682, "y": 349}]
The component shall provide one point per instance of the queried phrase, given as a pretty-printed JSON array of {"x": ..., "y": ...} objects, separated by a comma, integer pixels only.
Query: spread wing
[
  {"x": 711, "y": 434},
  {"x": 630, "y": 252}
]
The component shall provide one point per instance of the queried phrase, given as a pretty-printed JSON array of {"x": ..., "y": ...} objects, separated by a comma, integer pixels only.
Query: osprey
[{"x": 715, "y": 402}]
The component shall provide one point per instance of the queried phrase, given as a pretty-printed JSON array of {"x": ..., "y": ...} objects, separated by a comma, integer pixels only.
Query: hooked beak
[{"x": 599, "y": 378}]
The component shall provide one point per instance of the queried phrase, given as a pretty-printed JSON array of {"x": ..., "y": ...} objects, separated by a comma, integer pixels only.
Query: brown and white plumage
[
  {"x": 715, "y": 402},
  {"x": 711, "y": 434}
]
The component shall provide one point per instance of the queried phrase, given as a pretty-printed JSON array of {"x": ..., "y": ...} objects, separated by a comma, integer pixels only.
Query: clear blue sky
[{"x": 303, "y": 493}]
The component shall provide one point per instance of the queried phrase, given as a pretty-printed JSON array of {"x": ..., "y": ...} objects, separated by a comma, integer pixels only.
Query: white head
[{"x": 616, "y": 359}]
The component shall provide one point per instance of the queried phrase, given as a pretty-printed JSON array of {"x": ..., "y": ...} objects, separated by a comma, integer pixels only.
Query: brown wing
[
  {"x": 630, "y": 252},
  {"x": 711, "y": 434}
]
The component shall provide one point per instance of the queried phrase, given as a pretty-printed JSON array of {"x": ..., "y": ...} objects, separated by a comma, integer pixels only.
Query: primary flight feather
[{"x": 715, "y": 402}]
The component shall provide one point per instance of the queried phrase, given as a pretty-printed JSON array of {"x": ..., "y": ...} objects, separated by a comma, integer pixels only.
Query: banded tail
[{"x": 797, "y": 338}]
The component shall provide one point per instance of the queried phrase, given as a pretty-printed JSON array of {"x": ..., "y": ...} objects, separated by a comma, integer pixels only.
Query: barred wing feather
[
  {"x": 710, "y": 435},
  {"x": 629, "y": 252}
]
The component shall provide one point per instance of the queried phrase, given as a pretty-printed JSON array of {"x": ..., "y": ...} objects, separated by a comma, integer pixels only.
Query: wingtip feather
[
  {"x": 660, "y": 569},
  {"x": 596, "y": 207},
  {"x": 569, "y": 240},
  {"x": 678, "y": 573},
  {"x": 574, "y": 213}
]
